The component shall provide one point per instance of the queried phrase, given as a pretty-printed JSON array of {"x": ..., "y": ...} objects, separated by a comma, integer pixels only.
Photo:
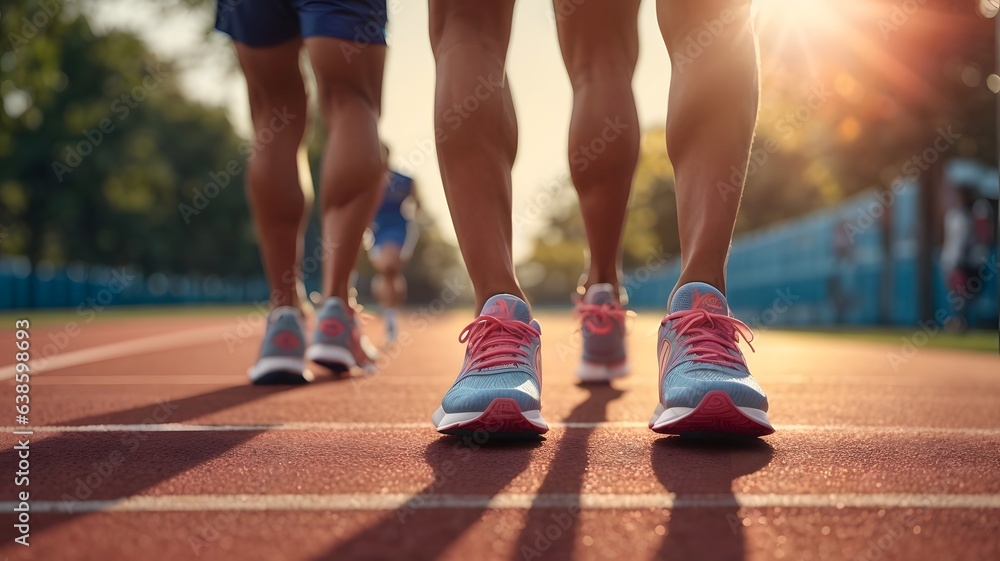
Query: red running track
[{"x": 157, "y": 449}]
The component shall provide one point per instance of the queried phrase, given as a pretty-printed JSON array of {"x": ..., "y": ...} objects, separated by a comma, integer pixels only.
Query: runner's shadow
[
  {"x": 552, "y": 531},
  {"x": 184, "y": 409},
  {"x": 109, "y": 465},
  {"x": 705, "y": 522},
  {"x": 473, "y": 468}
]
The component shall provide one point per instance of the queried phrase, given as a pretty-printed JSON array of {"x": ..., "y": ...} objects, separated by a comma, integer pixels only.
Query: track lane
[{"x": 811, "y": 384}]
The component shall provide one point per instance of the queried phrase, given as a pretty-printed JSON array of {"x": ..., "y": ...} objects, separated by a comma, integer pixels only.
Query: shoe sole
[
  {"x": 502, "y": 418},
  {"x": 334, "y": 358},
  {"x": 279, "y": 370},
  {"x": 595, "y": 373},
  {"x": 715, "y": 415}
]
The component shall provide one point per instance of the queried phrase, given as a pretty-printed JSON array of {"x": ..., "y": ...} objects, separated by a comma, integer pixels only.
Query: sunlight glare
[{"x": 804, "y": 16}]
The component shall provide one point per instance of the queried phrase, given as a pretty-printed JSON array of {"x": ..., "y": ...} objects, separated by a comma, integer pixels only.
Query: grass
[
  {"x": 41, "y": 318},
  {"x": 976, "y": 340}
]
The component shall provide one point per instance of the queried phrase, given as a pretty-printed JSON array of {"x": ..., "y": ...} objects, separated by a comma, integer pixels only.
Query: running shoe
[
  {"x": 498, "y": 390},
  {"x": 338, "y": 344},
  {"x": 705, "y": 386},
  {"x": 602, "y": 327},
  {"x": 281, "y": 352}
]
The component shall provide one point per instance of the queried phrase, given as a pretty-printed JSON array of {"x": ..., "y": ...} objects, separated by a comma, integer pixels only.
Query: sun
[{"x": 804, "y": 30}]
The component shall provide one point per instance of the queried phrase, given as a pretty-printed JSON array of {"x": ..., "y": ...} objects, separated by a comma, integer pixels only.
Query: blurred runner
[
  {"x": 704, "y": 382},
  {"x": 395, "y": 235},
  {"x": 345, "y": 40},
  {"x": 967, "y": 245},
  {"x": 841, "y": 281}
]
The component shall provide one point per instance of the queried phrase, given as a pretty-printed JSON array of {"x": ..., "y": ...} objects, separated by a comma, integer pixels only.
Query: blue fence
[
  {"x": 828, "y": 268},
  {"x": 81, "y": 286}
]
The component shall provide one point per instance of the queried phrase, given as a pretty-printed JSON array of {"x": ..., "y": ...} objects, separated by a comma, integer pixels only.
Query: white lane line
[
  {"x": 396, "y": 379},
  {"x": 141, "y": 380},
  {"x": 121, "y": 349},
  {"x": 337, "y": 426},
  {"x": 367, "y": 502}
]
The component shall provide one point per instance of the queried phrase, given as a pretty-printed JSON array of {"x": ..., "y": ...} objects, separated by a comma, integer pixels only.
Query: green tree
[{"x": 100, "y": 148}]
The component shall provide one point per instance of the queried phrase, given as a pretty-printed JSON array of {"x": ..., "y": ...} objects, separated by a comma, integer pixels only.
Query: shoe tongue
[
  {"x": 603, "y": 293},
  {"x": 702, "y": 296},
  {"x": 334, "y": 303},
  {"x": 507, "y": 306},
  {"x": 699, "y": 296}
]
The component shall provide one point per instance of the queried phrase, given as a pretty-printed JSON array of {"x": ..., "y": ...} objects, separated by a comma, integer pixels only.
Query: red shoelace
[
  {"x": 600, "y": 318},
  {"x": 494, "y": 341},
  {"x": 711, "y": 336}
]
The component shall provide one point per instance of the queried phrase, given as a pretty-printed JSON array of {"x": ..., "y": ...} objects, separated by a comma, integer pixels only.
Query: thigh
[
  {"x": 347, "y": 67},
  {"x": 274, "y": 78},
  {"x": 486, "y": 22}
]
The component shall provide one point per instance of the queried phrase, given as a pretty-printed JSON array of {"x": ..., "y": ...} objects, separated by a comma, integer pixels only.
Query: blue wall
[
  {"x": 82, "y": 286},
  {"x": 828, "y": 280},
  {"x": 795, "y": 262}
]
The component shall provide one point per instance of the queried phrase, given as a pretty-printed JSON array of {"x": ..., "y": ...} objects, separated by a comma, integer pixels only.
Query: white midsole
[
  {"x": 594, "y": 372},
  {"x": 330, "y": 353},
  {"x": 445, "y": 421},
  {"x": 270, "y": 364},
  {"x": 663, "y": 417}
]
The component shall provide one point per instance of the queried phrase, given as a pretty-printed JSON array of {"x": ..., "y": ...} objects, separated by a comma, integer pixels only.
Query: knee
[
  {"x": 280, "y": 108},
  {"x": 477, "y": 28},
  {"x": 337, "y": 96},
  {"x": 465, "y": 39},
  {"x": 602, "y": 69}
]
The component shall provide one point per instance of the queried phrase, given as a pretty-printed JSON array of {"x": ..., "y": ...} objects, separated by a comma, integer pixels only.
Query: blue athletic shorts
[
  {"x": 261, "y": 23},
  {"x": 394, "y": 233}
]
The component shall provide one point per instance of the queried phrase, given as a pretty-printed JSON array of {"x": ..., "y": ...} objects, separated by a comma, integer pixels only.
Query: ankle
[
  {"x": 716, "y": 279},
  {"x": 483, "y": 296},
  {"x": 285, "y": 301}
]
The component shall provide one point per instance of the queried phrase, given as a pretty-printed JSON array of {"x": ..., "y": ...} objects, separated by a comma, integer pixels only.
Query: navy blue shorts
[{"x": 261, "y": 23}]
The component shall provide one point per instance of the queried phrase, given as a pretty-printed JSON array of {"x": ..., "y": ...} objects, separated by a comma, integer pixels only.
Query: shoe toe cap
[
  {"x": 686, "y": 389},
  {"x": 474, "y": 393}
]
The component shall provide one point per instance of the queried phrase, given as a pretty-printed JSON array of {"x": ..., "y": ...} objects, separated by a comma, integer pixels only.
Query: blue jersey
[{"x": 390, "y": 211}]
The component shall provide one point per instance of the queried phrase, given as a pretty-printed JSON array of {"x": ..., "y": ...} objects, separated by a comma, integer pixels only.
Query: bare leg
[
  {"x": 713, "y": 111},
  {"x": 350, "y": 93},
  {"x": 600, "y": 46},
  {"x": 279, "y": 202},
  {"x": 476, "y": 135},
  {"x": 389, "y": 285}
]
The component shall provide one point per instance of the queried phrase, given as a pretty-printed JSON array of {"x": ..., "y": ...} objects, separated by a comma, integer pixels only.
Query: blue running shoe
[
  {"x": 499, "y": 388},
  {"x": 705, "y": 386},
  {"x": 338, "y": 344},
  {"x": 281, "y": 352},
  {"x": 602, "y": 327}
]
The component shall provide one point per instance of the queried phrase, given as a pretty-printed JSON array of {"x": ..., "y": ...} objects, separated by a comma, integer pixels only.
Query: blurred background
[{"x": 871, "y": 196}]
